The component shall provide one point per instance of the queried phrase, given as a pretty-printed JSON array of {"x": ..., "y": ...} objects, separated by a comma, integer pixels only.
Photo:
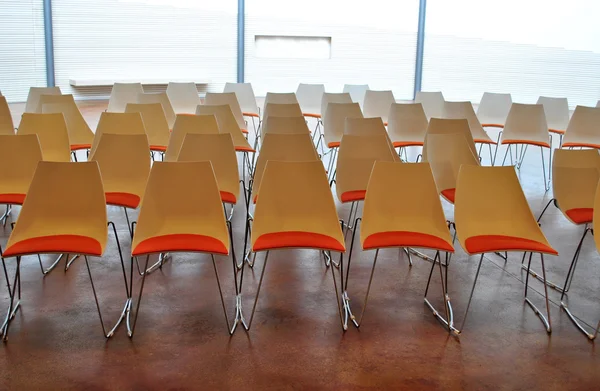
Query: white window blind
[
  {"x": 22, "y": 50},
  {"x": 370, "y": 43},
  {"x": 192, "y": 40},
  {"x": 528, "y": 48}
]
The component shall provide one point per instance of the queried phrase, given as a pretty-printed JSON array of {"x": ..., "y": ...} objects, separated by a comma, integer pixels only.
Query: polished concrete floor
[{"x": 296, "y": 341}]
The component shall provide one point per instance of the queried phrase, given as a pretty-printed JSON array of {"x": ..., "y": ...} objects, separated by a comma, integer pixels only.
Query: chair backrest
[
  {"x": 33, "y": 97},
  {"x": 295, "y": 198},
  {"x": 493, "y": 109},
  {"x": 309, "y": 97},
  {"x": 280, "y": 97},
  {"x": 433, "y": 103},
  {"x": 18, "y": 160},
  {"x": 407, "y": 124},
  {"x": 53, "y": 99},
  {"x": 369, "y": 127},
  {"x": 458, "y": 110},
  {"x": 124, "y": 163},
  {"x": 282, "y": 110},
  {"x": 227, "y": 98},
  {"x": 378, "y": 103},
  {"x": 64, "y": 199},
  {"x": 285, "y": 125},
  {"x": 447, "y": 153},
  {"x": 357, "y": 92},
  {"x": 333, "y": 97},
  {"x": 446, "y": 126},
  {"x": 526, "y": 123},
  {"x": 355, "y": 161},
  {"x": 334, "y": 121},
  {"x": 184, "y": 124},
  {"x": 245, "y": 96},
  {"x": 557, "y": 112},
  {"x": 283, "y": 147},
  {"x": 490, "y": 202},
  {"x": 121, "y": 94},
  {"x": 155, "y": 122},
  {"x": 575, "y": 175},
  {"x": 51, "y": 130},
  {"x": 183, "y": 97},
  {"x": 598, "y": 103},
  {"x": 227, "y": 124},
  {"x": 219, "y": 150},
  {"x": 182, "y": 198},
  {"x": 118, "y": 123},
  {"x": 163, "y": 99},
  {"x": 584, "y": 127},
  {"x": 80, "y": 134},
  {"x": 389, "y": 208},
  {"x": 6, "y": 123}
]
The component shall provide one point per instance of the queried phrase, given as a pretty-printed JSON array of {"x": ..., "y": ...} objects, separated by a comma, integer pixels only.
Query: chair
[
  {"x": 183, "y": 97},
  {"x": 200, "y": 124},
  {"x": 155, "y": 124},
  {"x": 285, "y": 125},
  {"x": 407, "y": 126},
  {"x": 122, "y": 94},
  {"x": 118, "y": 123},
  {"x": 583, "y": 130},
  {"x": 378, "y": 103},
  {"x": 396, "y": 218},
  {"x": 53, "y": 99},
  {"x": 227, "y": 98},
  {"x": 334, "y": 124},
  {"x": 246, "y": 99},
  {"x": 280, "y": 97},
  {"x": 492, "y": 215},
  {"x": 295, "y": 210},
  {"x": 369, "y": 127},
  {"x": 433, "y": 103},
  {"x": 227, "y": 124},
  {"x": 557, "y": 114},
  {"x": 33, "y": 97},
  {"x": 309, "y": 97},
  {"x": 526, "y": 125},
  {"x": 493, "y": 109},
  {"x": 357, "y": 92},
  {"x": 445, "y": 126},
  {"x": 219, "y": 150},
  {"x": 332, "y": 97},
  {"x": 163, "y": 99},
  {"x": 80, "y": 134},
  {"x": 183, "y": 215},
  {"x": 51, "y": 130},
  {"x": 458, "y": 110},
  {"x": 6, "y": 122},
  {"x": 64, "y": 212}
]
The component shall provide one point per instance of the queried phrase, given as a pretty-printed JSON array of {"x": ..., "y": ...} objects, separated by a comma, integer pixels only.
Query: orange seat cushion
[
  {"x": 297, "y": 239},
  {"x": 484, "y": 141},
  {"x": 63, "y": 244},
  {"x": 228, "y": 197},
  {"x": 495, "y": 243},
  {"x": 159, "y": 148},
  {"x": 248, "y": 114},
  {"x": 245, "y": 131},
  {"x": 558, "y": 131},
  {"x": 180, "y": 242},
  {"x": 581, "y": 215},
  {"x": 353, "y": 195},
  {"x": 449, "y": 194},
  {"x": 127, "y": 200},
  {"x": 312, "y": 115},
  {"x": 493, "y": 126},
  {"x": 536, "y": 143},
  {"x": 405, "y": 239},
  {"x": 585, "y": 145},
  {"x": 385, "y": 124},
  {"x": 244, "y": 149},
  {"x": 333, "y": 144},
  {"x": 12, "y": 198},
  {"x": 76, "y": 147},
  {"x": 399, "y": 144}
]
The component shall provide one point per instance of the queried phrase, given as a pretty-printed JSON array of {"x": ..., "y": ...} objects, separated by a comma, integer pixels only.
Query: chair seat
[
  {"x": 244, "y": 149},
  {"x": 497, "y": 243},
  {"x": 584, "y": 145},
  {"x": 12, "y": 198},
  {"x": 76, "y": 147},
  {"x": 405, "y": 239},
  {"x": 228, "y": 197},
  {"x": 484, "y": 141},
  {"x": 297, "y": 239},
  {"x": 353, "y": 195},
  {"x": 333, "y": 144},
  {"x": 249, "y": 114},
  {"x": 159, "y": 148},
  {"x": 245, "y": 131},
  {"x": 399, "y": 144},
  {"x": 530, "y": 142},
  {"x": 312, "y": 115},
  {"x": 180, "y": 242},
  {"x": 127, "y": 200},
  {"x": 493, "y": 126},
  {"x": 61, "y": 244},
  {"x": 449, "y": 194},
  {"x": 557, "y": 131},
  {"x": 581, "y": 215}
]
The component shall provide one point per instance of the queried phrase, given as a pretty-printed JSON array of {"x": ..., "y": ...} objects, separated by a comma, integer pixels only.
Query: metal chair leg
[
  {"x": 448, "y": 321},
  {"x": 13, "y": 307},
  {"x": 262, "y": 274},
  {"x": 462, "y": 326},
  {"x": 546, "y": 321}
]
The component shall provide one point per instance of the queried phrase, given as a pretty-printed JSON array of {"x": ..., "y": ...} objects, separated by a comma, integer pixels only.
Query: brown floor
[{"x": 296, "y": 341}]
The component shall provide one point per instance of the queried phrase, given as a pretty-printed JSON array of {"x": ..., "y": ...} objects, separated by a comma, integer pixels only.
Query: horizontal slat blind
[
  {"x": 144, "y": 39},
  {"x": 528, "y": 48},
  {"x": 22, "y": 51}
]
